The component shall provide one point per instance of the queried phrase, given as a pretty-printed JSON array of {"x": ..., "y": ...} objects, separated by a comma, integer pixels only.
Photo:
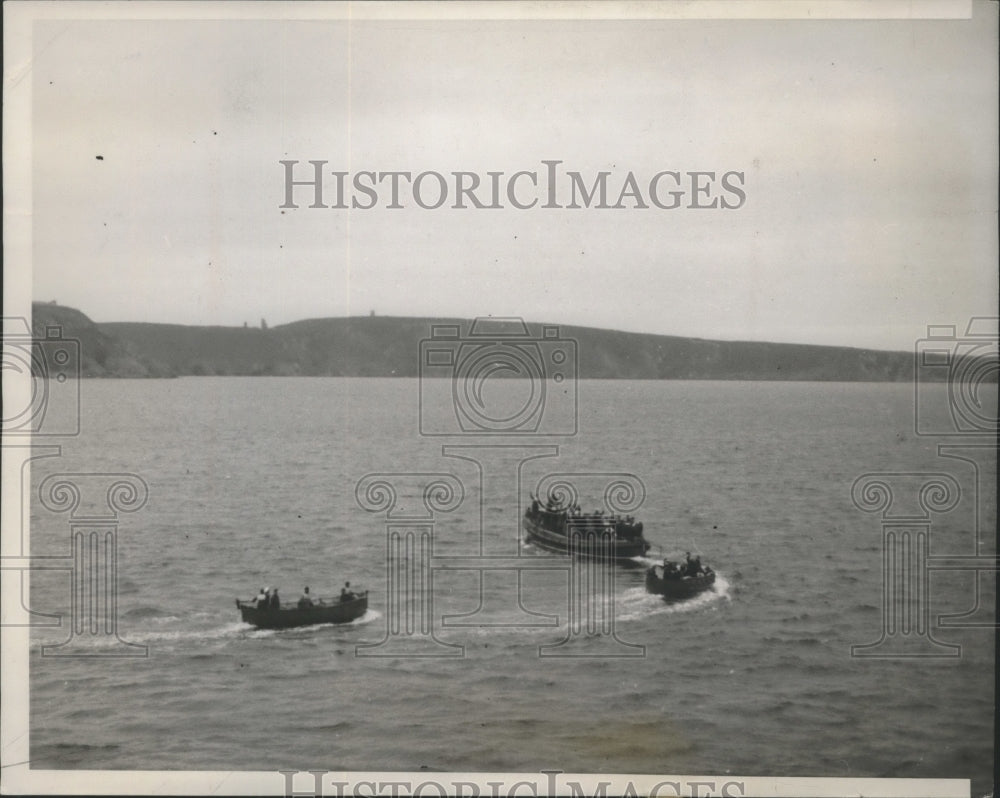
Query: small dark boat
[
  {"x": 673, "y": 584},
  {"x": 339, "y": 610},
  {"x": 585, "y": 534}
]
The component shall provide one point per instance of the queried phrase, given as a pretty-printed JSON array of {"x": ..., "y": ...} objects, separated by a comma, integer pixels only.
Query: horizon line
[{"x": 470, "y": 319}]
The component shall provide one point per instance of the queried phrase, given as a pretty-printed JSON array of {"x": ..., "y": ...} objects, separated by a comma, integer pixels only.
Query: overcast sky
[{"x": 869, "y": 151}]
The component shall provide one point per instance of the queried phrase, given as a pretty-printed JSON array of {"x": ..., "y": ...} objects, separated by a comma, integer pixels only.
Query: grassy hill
[
  {"x": 101, "y": 353},
  {"x": 389, "y": 346}
]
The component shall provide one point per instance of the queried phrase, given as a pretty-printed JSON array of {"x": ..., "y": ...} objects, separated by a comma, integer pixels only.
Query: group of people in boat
[
  {"x": 624, "y": 526},
  {"x": 689, "y": 568},
  {"x": 268, "y": 598}
]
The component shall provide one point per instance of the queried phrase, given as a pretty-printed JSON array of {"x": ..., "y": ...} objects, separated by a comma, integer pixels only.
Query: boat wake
[
  {"x": 369, "y": 616},
  {"x": 171, "y": 639},
  {"x": 228, "y": 630},
  {"x": 146, "y": 612},
  {"x": 646, "y": 561},
  {"x": 636, "y": 603}
]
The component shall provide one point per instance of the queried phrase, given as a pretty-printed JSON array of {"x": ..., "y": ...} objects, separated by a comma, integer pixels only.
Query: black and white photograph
[{"x": 500, "y": 398}]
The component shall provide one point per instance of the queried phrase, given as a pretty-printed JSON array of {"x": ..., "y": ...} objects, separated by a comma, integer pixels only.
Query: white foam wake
[
  {"x": 637, "y": 603},
  {"x": 369, "y": 616}
]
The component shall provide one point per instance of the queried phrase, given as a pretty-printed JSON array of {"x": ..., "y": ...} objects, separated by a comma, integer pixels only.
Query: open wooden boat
[{"x": 322, "y": 611}]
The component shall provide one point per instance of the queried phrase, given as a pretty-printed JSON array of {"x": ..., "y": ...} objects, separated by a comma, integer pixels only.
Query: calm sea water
[{"x": 251, "y": 482}]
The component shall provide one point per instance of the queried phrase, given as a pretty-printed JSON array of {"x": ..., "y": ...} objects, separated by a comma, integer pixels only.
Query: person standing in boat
[
  {"x": 275, "y": 601},
  {"x": 261, "y": 599},
  {"x": 306, "y": 599},
  {"x": 692, "y": 567},
  {"x": 346, "y": 594}
]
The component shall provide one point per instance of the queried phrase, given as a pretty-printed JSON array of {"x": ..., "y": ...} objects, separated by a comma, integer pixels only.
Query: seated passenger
[
  {"x": 346, "y": 594},
  {"x": 306, "y": 600}
]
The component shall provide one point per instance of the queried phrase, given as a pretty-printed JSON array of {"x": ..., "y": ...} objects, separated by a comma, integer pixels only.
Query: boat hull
[
  {"x": 290, "y": 617},
  {"x": 559, "y": 543},
  {"x": 678, "y": 588}
]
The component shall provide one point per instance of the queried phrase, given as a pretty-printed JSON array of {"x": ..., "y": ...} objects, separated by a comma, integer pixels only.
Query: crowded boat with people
[{"x": 566, "y": 529}]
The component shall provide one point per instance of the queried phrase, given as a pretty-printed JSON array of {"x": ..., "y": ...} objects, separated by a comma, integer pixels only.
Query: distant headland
[{"x": 388, "y": 346}]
